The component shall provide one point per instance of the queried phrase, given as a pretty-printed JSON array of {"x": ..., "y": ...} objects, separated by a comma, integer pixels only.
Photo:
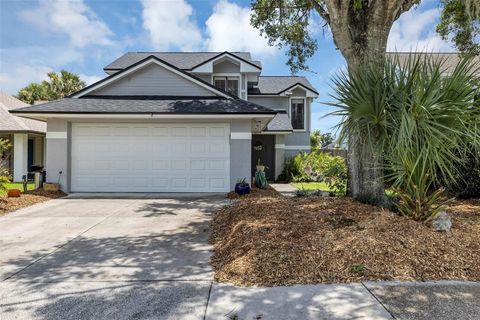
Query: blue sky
[{"x": 38, "y": 36}]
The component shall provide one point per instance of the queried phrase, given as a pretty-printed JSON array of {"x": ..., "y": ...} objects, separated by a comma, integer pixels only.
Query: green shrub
[
  {"x": 317, "y": 167},
  {"x": 415, "y": 117},
  {"x": 4, "y": 177},
  {"x": 467, "y": 177}
]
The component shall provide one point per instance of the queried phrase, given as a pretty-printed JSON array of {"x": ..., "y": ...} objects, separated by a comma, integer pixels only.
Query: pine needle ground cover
[{"x": 268, "y": 240}]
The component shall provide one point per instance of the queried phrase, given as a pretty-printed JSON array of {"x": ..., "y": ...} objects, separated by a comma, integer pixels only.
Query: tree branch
[{"x": 321, "y": 10}]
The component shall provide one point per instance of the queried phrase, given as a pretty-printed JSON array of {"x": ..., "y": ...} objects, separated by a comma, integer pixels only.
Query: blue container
[{"x": 242, "y": 189}]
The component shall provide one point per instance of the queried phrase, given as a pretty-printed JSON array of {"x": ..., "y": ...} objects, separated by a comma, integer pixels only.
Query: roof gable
[
  {"x": 145, "y": 63},
  {"x": 277, "y": 85},
  {"x": 182, "y": 60},
  {"x": 245, "y": 65}
]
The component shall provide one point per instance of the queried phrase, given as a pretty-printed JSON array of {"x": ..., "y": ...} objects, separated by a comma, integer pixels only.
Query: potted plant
[
  {"x": 242, "y": 187},
  {"x": 260, "y": 167}
]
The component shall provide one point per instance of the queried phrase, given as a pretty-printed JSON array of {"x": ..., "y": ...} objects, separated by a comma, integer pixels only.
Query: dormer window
[{"x": 227, "y": 83}]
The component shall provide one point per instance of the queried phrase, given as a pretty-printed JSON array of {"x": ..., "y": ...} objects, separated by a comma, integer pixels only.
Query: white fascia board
[
  {"x": 208, "y": 66},
  {"x": 310, "y": 93},
  {"x": 45, "y": 116},
  {"x": 120, "y": 75},
  {"x": 274, "y": 132}
]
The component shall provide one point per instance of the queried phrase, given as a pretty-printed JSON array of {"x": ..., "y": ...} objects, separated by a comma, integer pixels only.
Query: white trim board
[
  {"x": 305, "y": 117},
  {"x": 295, "y": 147},
  {"x": 42, "y": 116},
  {"x": 56, "y": 135},
  {"x": 121, "y": 74},
  {"x": 241, "y": 135}
]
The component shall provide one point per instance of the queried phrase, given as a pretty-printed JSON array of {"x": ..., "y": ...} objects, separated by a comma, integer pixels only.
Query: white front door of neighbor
[{"x": 150, "y": 157}]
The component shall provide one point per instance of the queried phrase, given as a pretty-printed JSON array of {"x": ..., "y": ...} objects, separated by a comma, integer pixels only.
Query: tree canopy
[
  {"x": 288, "y": 24},
  {"x": 59, "y": 85},
  {"x": 460, "y": 22}
]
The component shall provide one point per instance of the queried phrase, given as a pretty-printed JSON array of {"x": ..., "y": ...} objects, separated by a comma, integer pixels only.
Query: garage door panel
[{"x": 150, "y": 157}]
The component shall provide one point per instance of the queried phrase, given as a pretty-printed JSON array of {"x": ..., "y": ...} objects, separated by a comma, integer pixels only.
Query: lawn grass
[
  {"x": 310, "y": 186},
  {"x": 17, "y": 185}
]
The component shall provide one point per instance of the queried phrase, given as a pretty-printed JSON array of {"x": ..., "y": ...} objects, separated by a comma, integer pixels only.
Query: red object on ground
[{"x": 13, "y": 193}]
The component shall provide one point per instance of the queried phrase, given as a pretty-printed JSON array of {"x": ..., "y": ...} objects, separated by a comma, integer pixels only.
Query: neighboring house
[
  {"x": 175, "y": 122},
  {"x": 449, "y": 59},
  {"x": 26, "y": 135}
]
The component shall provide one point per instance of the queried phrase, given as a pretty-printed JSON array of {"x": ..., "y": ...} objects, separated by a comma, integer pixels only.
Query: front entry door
[{"x": 263, "y": 148}]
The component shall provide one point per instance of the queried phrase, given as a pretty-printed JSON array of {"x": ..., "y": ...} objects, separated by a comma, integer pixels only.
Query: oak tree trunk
[{"x": 361, "y": 35}]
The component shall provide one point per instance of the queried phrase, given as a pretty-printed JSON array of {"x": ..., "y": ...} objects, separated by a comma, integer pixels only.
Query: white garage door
[{"x": 151, "y": 157}]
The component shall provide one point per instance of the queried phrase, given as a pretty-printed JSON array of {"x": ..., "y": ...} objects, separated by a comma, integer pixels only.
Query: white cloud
[
  {"x": 21, "y": 76},
  {"x": 229, "y": 29},
  {"x": 89, "y": 79},
  {"x": 415, "y": 31},
  {"x": 72, "y": 18},
  {"x": 170, "y": 25}
]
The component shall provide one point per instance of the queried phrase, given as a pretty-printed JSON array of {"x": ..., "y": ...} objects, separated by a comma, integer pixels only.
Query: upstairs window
[
  {"x": 297, "y": 114},
  {"x": 229, "y": 84}
]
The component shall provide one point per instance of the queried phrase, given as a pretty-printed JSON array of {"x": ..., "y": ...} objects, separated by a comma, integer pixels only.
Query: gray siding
[
  {"x": 277, "y": 103},
  {"x": 299, "y": 92},
  {"x": 298, "y": 139},
  {"x": 226, "y": 66},
  {"x": 154, "y": 80},
  {"x": 57, "y": 153},
  {"x": 204, "y": 77},
  {"x": 240, "y": 153},
  {"x": 279, "y": 155}
]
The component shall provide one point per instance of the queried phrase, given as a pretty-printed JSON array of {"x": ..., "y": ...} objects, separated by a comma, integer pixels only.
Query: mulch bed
[
  {"x": 27, "y": 199},
  {"x": 267, "y": 240}
]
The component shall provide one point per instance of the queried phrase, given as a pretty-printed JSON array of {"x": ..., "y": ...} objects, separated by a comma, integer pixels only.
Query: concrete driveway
[
  {"x": 128, "y": 258},
  {"x": 145, "y": 258}
]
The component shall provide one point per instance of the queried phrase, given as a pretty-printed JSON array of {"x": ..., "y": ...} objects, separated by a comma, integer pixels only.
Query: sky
[{"x": 83, "y": 36}]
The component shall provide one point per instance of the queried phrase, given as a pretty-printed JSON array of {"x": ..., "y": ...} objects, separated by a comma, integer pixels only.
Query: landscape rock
[{"x": 442, "y": 222}]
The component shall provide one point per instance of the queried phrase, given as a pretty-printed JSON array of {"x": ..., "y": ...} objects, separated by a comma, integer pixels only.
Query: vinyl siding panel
[
  {"x": 204, "y": 77},
  {"x": 280, "y": 103},
  {"x": 226, "y": 66},
  {"x": 153, "y": 80}
]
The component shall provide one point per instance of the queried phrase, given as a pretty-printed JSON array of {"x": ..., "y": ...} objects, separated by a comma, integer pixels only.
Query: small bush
[
  {"x": 358, "y": 268},
  {"x": 317, "y": 167},
  {"x": 4, "y": 176},
  {"x": 467, "y": 184}
]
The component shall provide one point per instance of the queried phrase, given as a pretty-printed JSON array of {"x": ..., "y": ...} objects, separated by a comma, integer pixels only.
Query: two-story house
[{"x": 175, "y": 122}]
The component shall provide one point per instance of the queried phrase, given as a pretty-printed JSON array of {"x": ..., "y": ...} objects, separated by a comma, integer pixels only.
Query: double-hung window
[
  {"x": 229, "y": 84},
  {"x": 297, "y": 113}
]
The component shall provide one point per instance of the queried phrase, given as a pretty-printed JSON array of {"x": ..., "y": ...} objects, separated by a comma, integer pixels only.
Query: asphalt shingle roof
[
  {"x": 278, "y": 84},
  {"x": 156, "y": 105},
  {"x": 281, "y": 122},
  {"x": 181, "y": 60},
  {"x": 450, "y": 60},
  {"x": 11, "y": 123}
]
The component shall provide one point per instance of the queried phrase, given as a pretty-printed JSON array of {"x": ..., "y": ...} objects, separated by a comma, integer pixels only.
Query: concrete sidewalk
[
  {"x": 443, "y": 300},
  {"x": 285, "y": 189}
]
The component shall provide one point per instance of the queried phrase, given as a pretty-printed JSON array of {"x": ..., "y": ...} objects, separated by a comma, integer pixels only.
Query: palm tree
[
  {"x": 418, "y": 118},
  {"x": 56, "y": 87}
]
